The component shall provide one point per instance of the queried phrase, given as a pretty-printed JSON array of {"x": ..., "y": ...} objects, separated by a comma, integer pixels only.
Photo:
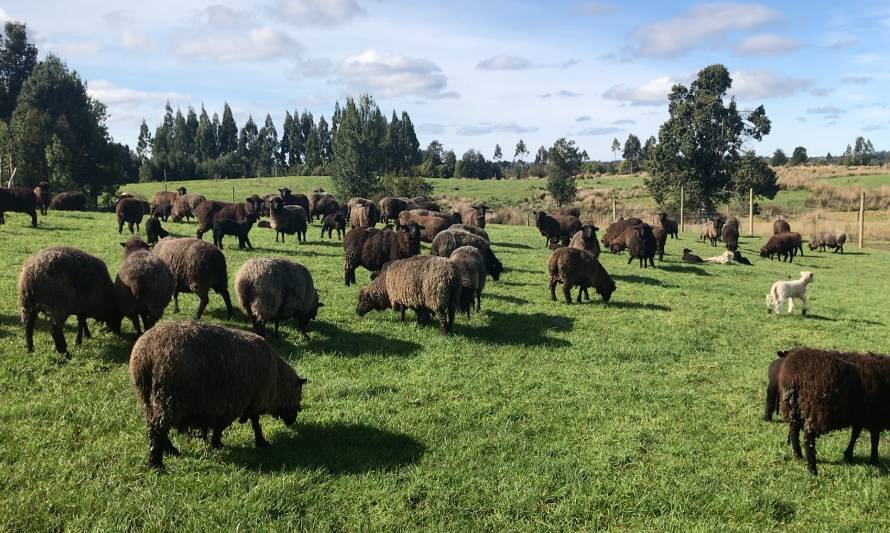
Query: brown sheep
[
  {"x": 185, "y": 205},
  {"x": 615, "y": 231},
  {"x": 451, "y": 239},
  {"x": 730, "y": 235},
  {"x": 41, "y": 192},
  {"x": 321, "y": 204},
  {"x": 573, "y": 267},
  {"x": 240, "y": 229},
  {"x": 364, "y": 215},
  {"x": 390, "y": 208},
  {"x": 64, "y": 281},
  {"x": 197, "y": 267},
  {"x": 772, "y": 388},
  {"x": 193, "y": 376},
  {"x": 711, "y": 232},
  {"x": 299, "y": 199},
  {"x": 129, "y": 211},
  {"x": 18, "y": 200},
  {"x": 670, "y": 226},
  {"x": 372, "y": 248},
  {"x": 69, "y": 201},
  {"x": 432, "y": 222},
  {"x": 143, "y": 286},
  {"x": 471, "y": 263},
  {"x": 479, "y": 232},
  {"x": 660, "y": 235},
  {"x": 473, "y": 217},
  {"x": 781, "y": 226},
  {"x": 568, "y": 211},
  {"x": 585, "y": 239},
  {"x": 210, "y": 211},
  {"x": 271, "y": 289},
  {"x": 287, "y": 219},
  {"x": 784, "y": 245},
  {"x": 640, "y": 243},
  {"x": 331, "y": 222},
  {"x": 161, "y": 205},
  {"x": 556, "y": 227},
  {"x": 689, "y": 257}
]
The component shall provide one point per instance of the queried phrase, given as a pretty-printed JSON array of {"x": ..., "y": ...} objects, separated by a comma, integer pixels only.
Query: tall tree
[
  {"x": 649, "y": 150},
  {"x": 313, "y": 158},
  {"x": 284, "y": 144},
  {"x": 228, "y": 132},
  {"x": 205, "y": 145},
  {"x": 616, "y": 147},
  {"x": 564, "y": 163},
  {"x": 324, "y": 141},
  {"x": 753, "y": 173},
  {"x": 498, "y": 153},
  {"x": 410, "y": 146},
  {"x": 799, "y": 156},
  {"x": 394, "y": 144},
  {"x": 541, "y": 157},
  {"x": 699, "y": 145},
  {"x": 633, "y": 152},
  {"x": 247, "y": 146},
  {"x": 143, "y": 143},
  {"x": 521, "y": 151},
  {"x": 18, "y": 57},
  {"x": 267, "y": 147},
  {"x": 357, "y": 147},
  {"x": 191, "y": 129},
  {"x": 215, "y": 128},
  {"x": 779, "y": 158}
]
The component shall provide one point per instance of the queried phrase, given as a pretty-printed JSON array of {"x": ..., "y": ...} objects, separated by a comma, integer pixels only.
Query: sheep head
[
  {"x": 806, "y": 276},
  {"x": 290, "y": 396},
  {"x": 134, "y": 244}
]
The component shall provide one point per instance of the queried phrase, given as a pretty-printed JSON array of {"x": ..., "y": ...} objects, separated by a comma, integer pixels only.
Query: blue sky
[{"x": 473, "y": 74}]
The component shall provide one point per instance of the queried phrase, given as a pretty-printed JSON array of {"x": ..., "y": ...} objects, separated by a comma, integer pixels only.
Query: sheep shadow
[
  {"x": 698, "y": 271},
  {"x": 337, "y": 448},
  {"x": 325, "y": 242},
  {"x": 858, "y": 460},
  {"x": 506, "y": 298},
  {"x": 853, "y": 320},
  {"x": 638, "y": 305},
  {"x": 512, "y": 245},
  {"x": 356, "y": 343},
  {"x": 633, "y": 278},
  {"x": 518, "y": 329}
]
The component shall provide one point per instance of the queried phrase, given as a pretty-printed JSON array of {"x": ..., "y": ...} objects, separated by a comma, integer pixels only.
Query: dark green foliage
[
  {"x": 18, "y": 57},
  {"x": 228, "y": 132},
  {"x": 358, "y": 148},
  {"x": 753, "y": 172},
  {"x": 799, "y": 156},
  {"x": 779, "y": 158},
  {"x": 564, "y": 161},
  {"x": 407, "y": 186},
  {"x": 633, "y": 153},
  {"x": 474, "y": 165}
]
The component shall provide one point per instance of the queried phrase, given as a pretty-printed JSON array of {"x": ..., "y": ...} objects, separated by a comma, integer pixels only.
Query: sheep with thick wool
[
  {"x": 789, "y": 290},
  {"x": 573, "y": 267},
  {"x": 197, "y": 267},
  {"x": 143, "y": 286},
  {"x": 451, "y": 239},
  {"x": 272, "y": 289},
  {"x": 473, "y": 273}
]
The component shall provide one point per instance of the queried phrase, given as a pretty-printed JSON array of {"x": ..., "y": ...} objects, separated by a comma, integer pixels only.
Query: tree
[
  {"x": 324, "y": 141},
  {"x": 247, "y": 146},
  {"x": 799, "y": 156},
  {"x": 410, "y": 146},
  {"x": 633, "y": 152},
  {"x": 828, "y": 158},
  {"x": 753, "y": 173},
  {"x": 564, "y": 163},
  {"x": 143, "y": 143},
  {"x": 449, "y": 164},
  {"x": 205, "y": 138},
  {"x": 541, "y": 156},
  {"x": 498, "y": 154},
  {"x": 313, "y": 157},
  {"x": 18, "y": 57},
  {"x": 649, "y": 150},
  {"x": 267, "y": 147},
  {"x": 228, "y": 132},
  {"x": 616, "y": 147},
  {"x": 699, "y": 145},
  {"x": 521, "y": 151},
  {"x": 393, "y": 144},
  {"x": 433, "y": 159},
  {"x": 357, "y": 147},
  {"x": 779, "y": 158}
]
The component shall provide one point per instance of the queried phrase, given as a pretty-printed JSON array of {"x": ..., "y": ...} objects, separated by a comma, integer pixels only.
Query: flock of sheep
[{"x": 241, "y": 377}]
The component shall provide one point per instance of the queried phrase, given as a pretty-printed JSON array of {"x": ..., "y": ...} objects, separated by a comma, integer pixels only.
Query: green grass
[
  {"x": 868, "y": 182},
  {"x": 643, "y": 413}
]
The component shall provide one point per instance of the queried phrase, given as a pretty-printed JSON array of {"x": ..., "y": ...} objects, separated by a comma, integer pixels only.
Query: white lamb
[{"x": 789, "y": 290}]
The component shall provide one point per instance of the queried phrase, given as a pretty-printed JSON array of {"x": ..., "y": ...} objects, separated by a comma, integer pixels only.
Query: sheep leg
[
  {"x": 258, "y": 327},
  {"x": 630, "y": 259},
  {"x": 216, "y": 438},
  {"x": 567, "y": 292},
  {"x": 402, "y": 309},
  {"x": 258, "y": 438},
  {"x": 156, "y": 447},
  {"x": 59, "y": 338},
  {"x": 28, "y": 320},
  {"x": 175, "y": 301},
  {"x": 652, "y": 261},
  {"x": 875, "y": 441},
  {"x": 790, "y": 305},
  {"x": 809, "y": 440},
  {"x": 586, "y": 294},
  {"x": 848, "y": 453},
  {"x": 120, "y": 226},
  {"x": 794, "y": 439},
  {"x": 80, "y": 327},
  {"x": 204, "y": 299},
  {"x": 772, "y": 403},
  {"x": 478, "y": 300},
  {"x": 803, "y": 304},
  {"x": 224, "y": 292},
  {"x": 553, "y": 288},
  {"x": 135, "y": 320}
]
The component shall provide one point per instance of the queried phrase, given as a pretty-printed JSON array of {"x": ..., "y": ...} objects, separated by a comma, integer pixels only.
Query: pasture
[{"x": 643, "y": 413}]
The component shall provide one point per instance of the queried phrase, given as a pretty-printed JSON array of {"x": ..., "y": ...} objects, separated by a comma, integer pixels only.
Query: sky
[{"x": 473, "y": 74}]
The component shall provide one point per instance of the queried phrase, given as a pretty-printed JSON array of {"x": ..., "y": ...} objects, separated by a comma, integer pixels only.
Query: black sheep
[
  {"x": 772, "y": 388},
  {"x": 209, "y": 211},
  {"x": 153, "y": 230},
  {"x": 130, "y": 211},
  {"x": 372, "y": 248},
  {"x": 730, "y": 236},
  {"x": 18, "y": 200},
  {"x": 689, "y": 257},
  {"x": 240, "y": 229},
  {"x": 670, "y": 226},
  {"x": 641, "y": 244},
  {"x": 331, "y": 222}
]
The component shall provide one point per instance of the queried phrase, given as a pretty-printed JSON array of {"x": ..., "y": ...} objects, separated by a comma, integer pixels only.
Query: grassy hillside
[{"x": 643, "y": 413}]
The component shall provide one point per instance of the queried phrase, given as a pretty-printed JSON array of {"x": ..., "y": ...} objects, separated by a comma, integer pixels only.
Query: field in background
[{"x": 643, "y": 413}]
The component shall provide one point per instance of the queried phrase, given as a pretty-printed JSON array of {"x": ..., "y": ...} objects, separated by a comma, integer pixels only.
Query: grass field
[{"x": 643, "y": 413}]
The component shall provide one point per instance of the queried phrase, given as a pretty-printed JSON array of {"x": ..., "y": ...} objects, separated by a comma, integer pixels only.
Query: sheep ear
[
  {"x": 302, "y": 381},
  {"x": 782, "y": 353},
  {"x": 124, "y": 244},
  {"x": 320, "y": 304}
]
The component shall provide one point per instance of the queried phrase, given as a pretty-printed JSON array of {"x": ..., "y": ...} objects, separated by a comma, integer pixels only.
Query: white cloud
[
  {"x": 136, "y": 41},
  {"x": 505, "y": 62},
  {"x": 317, "y": 12},
  {"x": 596, "y": 8},
  {"x": 760, "y": 84},
  {"x": 256, "y": 44},
  {"x": 485, "y": 128},
  {"x": 78, "y": 49},
  {"x": 696, "y": 26},
  {"x": 600, "y": 131},
  {"x": 624, "y": 121},
  {"x": 872, "y": 127},
  {"x": 584, "y": 118},
  {"x": 4, "y": 16},
  {"x": 653, "y": 92},
  {"x": 392, "y": 75},
  {"x": 561, "y": 94},
  {"x": 767, "y": 44},
  {"x": 113, "y": 95},
  {"x": 828, "y": 111},
  {"x": 430, "y": 129}
]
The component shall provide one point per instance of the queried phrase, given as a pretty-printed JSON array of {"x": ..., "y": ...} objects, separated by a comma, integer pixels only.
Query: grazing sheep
[
  {"x": 641, "y": 244},
  {"x": 789, "y": 290},
  {"x": 18, "y": 200},
  {"x": 372, "y": 248},
  {"x": 823, "y": 391},
  {"x": 299, "y": 199},
  {"x": 473, "y": 217},
  {"x": 449, "y": 240},
  {"x": 425, "y": 284},
  {"x": 69, "y": 201},
  {"x": 730, "y": 236},
  {"x": 670, "y": 226},
  {"x": 585, "y": 239},
  {"x": 210, "y": 211},
  {"x": 615, "y": 231},
  {"x": 783, "y": 245},
  {"x": 431, "y": 222},
  {"x": 193, "y": 376},
  {"x": 571, "y": 267},
  {"x": 689, "y": 257},
  {"x": 479, "y": 232},
  {"x": 240, "y": 229},
  {"x": 557, "y": 227},
  {"x": 828, "y": 239},
  {"x": 153, "y": 230},
  {"x": 64, "y": 281},
  {"x": 161, "y": 205},
  {"x": 287, "y": 219},
  {"x": 41, "y": 192},
  {"x": 781, "y": 226},
  {"x": 661, "y": 236},
  {"x": 331, "y": 222},
  {"x": 321, "y": 204},
  {"x": 129, "y": 211},
  {"x": 471, "y": 263},
  {"x": 711, "y": 232},
  {"x": 772, "y": 388},
  {"x": 364, "y": 215},
  {"x": 197, "y": 267},
  {"x": 272, "y": 289},
  {"x": 185, "y": 206},
  {"x": 143, "y": 286},
  {"x": 390, "y": 208}
]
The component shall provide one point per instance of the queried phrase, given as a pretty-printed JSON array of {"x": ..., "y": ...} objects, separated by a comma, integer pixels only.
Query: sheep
[
  {"x": 129, "y": 211},
  {"x": 479, "y": 232},
  {"x": 781, "y": 226},
  {"x": 426, "y": 284},
  {"x": 41, "y": 192},
  {"x": 689, "y": 257},
  {"x": 473, "y": 217},
  {"x": 294, "y": 199},
  {"x": 670, "y": 226},
  {"x": 829, "y": 239},
  {"x": 772, "y": 388},
  {"x": 390, "y": 208},
  {"x": 364, "y": 215},
  {"x": 331, "y": 222},
  {"x": 432, "y": 222},
  {"x": 185, "y": 205},
  {"x": 193, "y": 376},
  {"x": 197, "y": 267},
  {"x": 823, "y": 391},
  {"x": 322, "y": 203},
  {"x": 739, "y": 258},
  {"x": 571, "y": 267},
  {"x": 446, "y": 242},
  {"x": 784, "y": 245},
  {"x": 354, "y": 201},
  {"x": 473, "y": 273},
  {"x": 723, "y": 259},
  {"x": 730, "y": 236},
  {"x": 64, "y": 281},
  {"x": 585, "y": 239},
  {"x": 161, "y": 205},
  {"x": 660, "y": 235},
  {"x": 615, "y": 231},
  {"x": 143, "y": 286},
  {"x": 153, "y": 231},
  {"x": 789, "y": 290},
  {"x": 561, "y": 227},
  {"x": 641, "y": 244},
  {"x": 18, "y": 200},
  {"x": 69, "y": 201},
  {"x": 209, "y": 211},
  {"x": 568, "y": 211},
  {"x": 372, "y": 248},
  {"x": 271, "y": 289},
  {"x": 421, "y": 202},
  {"x": 711, "y": 232},
  {"x": 240, "y": 229},
  {"x": 287, "y": 219}
]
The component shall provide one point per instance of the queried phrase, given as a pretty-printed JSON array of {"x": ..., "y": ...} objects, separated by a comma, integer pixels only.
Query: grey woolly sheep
[
  {"x": 18, "y": 200},
  {"x": 426, "y": 284},
  {"x": 272, "y": 289},
  {"x": 828, "y": 239},
  {"x": 479, "y": 232},
  {"x": 287, "y": 219},
  {"x": 573, "y": 267},
  {"x": 372, "y": 248},
  {"x": 69, "y": 201},
  {"x": 129, "y": 211},
  {"x": 585, "y": 239},
  {"x": 364, "y": 215},
  {"x": 449, "y": 240},
  {"x": 162, "y": 202},
  {"x": 143, "y": 286},
  {"x": 471, "y": 263},
  {"x": 64, "y": 281},
  {"x": 197, "y": 267},
  {"x": 473, "y": 217},
  {"x": 185, "y": 205},
  {"x": 192, "y": 376}
]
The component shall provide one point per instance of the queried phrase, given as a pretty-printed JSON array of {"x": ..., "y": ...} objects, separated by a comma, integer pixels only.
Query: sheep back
[
  {"x": 69, "y": 201},
  {"x": 274, "y": 289},
  {"x": 143, "y": 286}
]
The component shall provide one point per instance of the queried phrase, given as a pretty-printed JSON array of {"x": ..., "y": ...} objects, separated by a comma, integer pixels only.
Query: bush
[{"x": 409, "y": 186}]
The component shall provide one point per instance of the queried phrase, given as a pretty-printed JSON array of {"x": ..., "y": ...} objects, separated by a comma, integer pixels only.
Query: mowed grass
[
  {"x": 644, "y": 413},
  {"x": 867, "y": 182}
]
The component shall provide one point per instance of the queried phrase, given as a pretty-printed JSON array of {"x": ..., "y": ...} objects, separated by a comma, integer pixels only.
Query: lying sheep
[
  {"x": 63, "y": 281},
  {"x": 670, "y": 226},
  {"x": 210, "y": 211},
  {"x": 18, "y": 200},
  {"x": 823, "y": 391},
  {"x": 781, "y": 226},
  {"x": 615, "y": 231},
  {"x": 331, "y": 222},
  {"x": 479, "y": 232},
  {"x": 573, "y": 267},
  {"x": 828, "y": 239},
  {"x": 143, "y": 286},
  {"x": 585, "y": 239},
  {"x": 471, "y": 263},
  {"x": 69, "y": 201},
  {"x": 192, "y": 376},
  {"x": 185, "y": 205},
  {"x": 446, "y": 242},
  {"x": 772, "y": 388},
  {"x": 425, "y": 284},
  {"x": 272, "y": 290},
  {"x": 689, "y": 257},
  {"x": 240, "y": 229},
  {"x": 641, "y": 244},
  {"x": 287, "y": 219},
  {"x": 129, "y": 211},
  {"x": 41, "y": 193},
  {"x": 723, "y": 259},
  {"x": 557, "y": 227},
  {"x": 197, "y": 267},
  {"x": 789, "y": 290},
  {"x": 153, "y": 230},
  {"x": 783, "y": 245},
  {"x": 372, "y": 248}
]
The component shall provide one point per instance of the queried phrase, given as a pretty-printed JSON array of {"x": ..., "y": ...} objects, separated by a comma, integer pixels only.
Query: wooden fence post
[
  {"x": 682, "y": 198},
  {"x": 751, "y": 212},
  {"x": 861, "y": 216},
  {"x": 614, "y": 208},
  {"x": 233, "y": 194}
]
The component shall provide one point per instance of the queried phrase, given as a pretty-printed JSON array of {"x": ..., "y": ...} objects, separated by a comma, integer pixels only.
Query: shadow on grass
[
  {"x": 853, "y": 320},
  {"x": 686, "y": 269},
  {"x": 638, "y": 305},
  {"x": 505, "y": 298},
  {"x": 355, "y": 343},
  {"x": 858, "y": 460},
  {"x": 513, "y": 245},
  {"x": 337, "y": 448},
  {"x": 519, "y": 329},
  {"x": 633, "y": 278}
]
